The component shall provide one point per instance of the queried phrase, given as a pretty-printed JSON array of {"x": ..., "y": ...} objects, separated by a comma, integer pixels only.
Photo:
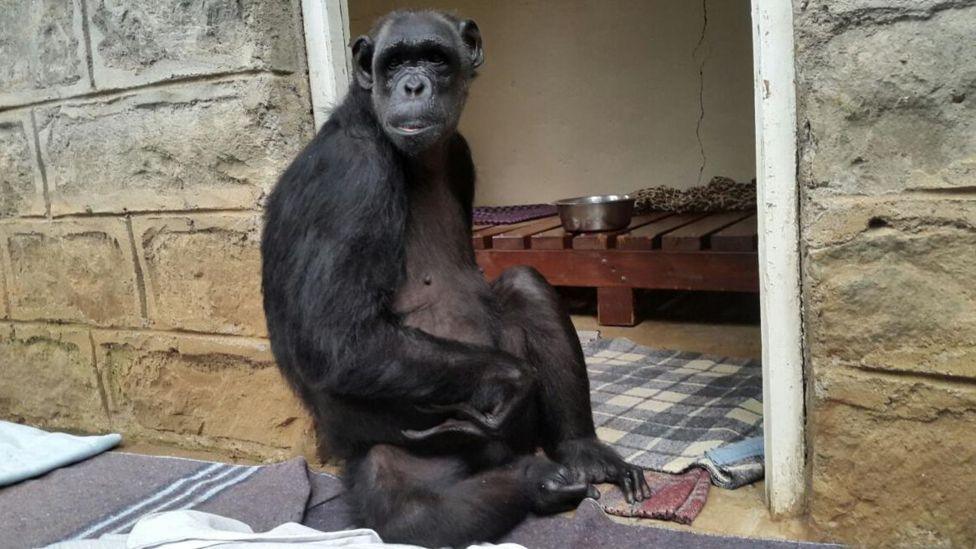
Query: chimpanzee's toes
[{"x": 553, "y": 488}]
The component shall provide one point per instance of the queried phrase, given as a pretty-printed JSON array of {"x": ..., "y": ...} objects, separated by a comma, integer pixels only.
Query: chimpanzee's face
[{"x": 418, "y": 71}]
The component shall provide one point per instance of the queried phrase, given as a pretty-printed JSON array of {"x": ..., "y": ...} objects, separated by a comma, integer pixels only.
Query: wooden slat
[
  {"x": 648, "y": 236},
  {"x": 477, "y": 228},
  {"x": 657, "y": 269},
  {"x": 518, "y": 239},
  {"x": 694, "y": 236},
  {"x": 608, "y": 239},
  {"x": 481, "y": 239},
  {"x": 553, "y": 239},
  {"x": 742, "y": 236}
]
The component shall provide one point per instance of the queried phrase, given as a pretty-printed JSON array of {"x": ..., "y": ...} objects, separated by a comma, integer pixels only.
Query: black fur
[{"x": 436, "y": 387}]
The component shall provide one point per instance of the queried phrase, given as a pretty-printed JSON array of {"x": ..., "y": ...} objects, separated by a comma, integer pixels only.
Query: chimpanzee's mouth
[
  {"x": 410, "y": 125},
  {"x": 412, "y": 128}
]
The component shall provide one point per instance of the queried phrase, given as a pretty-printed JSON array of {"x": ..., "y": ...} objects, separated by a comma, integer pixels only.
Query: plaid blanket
[{"x": 663, "y": 410}]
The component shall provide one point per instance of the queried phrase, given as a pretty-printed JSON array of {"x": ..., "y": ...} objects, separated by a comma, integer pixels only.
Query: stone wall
[
  {"x": 138, "y": 139},
  {"x": 887, "y": 120}
]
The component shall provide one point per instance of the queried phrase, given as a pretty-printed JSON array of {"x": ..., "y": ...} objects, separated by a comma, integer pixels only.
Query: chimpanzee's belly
[
  {"x": 452, "y": 302},
  {"x": 444, "y": 293}
]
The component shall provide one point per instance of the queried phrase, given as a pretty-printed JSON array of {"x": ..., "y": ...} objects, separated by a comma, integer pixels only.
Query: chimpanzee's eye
[
  {"x": 394, "y": 62},
  {"x": 437, "y": 58}
]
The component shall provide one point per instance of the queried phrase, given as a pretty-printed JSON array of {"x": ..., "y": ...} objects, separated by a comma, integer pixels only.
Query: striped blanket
[{"x": 109, "y": 493}]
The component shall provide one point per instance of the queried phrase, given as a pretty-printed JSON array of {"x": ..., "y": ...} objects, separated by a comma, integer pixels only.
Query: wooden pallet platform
[{"x": 659, "y": 251}]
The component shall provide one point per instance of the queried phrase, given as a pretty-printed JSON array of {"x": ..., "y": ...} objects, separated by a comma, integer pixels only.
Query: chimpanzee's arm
[
  {"x": 409, "y": 365},
  {"x": 333, "y": 260}
]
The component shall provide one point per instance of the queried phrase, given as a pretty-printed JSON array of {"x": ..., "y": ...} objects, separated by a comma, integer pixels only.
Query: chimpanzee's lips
[{"x": 411, "y": 128}]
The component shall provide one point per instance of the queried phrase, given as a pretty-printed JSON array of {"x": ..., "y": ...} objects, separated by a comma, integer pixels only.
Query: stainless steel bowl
[{"x": 607, "y": 212}]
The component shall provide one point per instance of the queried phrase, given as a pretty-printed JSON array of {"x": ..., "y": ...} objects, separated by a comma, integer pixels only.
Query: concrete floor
[
  {"x": 723, "y": 324},
  {"x": 733, "y": 340}
]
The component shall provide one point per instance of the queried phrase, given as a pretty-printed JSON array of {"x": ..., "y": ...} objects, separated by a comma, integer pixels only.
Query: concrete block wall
[
  {"x": 887, "y": 116},
  {"x": 138, "y": 140}
]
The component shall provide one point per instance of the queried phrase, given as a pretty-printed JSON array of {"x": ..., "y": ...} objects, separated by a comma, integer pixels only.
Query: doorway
[{"x": 327, "y": 24}]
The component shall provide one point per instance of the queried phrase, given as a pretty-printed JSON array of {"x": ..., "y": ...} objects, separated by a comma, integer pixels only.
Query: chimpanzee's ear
[
  {"x": 362, "y": 61},
  {"x": 472, "y": 39}
]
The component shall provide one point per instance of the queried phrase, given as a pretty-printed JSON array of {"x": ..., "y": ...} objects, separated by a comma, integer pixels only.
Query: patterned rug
[{"x": 663, "y": 410}]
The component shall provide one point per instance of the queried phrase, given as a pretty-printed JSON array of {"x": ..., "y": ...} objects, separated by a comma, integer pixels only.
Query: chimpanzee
[{"x": 436, "y": 387}]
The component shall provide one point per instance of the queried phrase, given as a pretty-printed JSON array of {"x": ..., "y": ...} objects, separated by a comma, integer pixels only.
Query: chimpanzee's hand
[{"x": 499, "y": 393}]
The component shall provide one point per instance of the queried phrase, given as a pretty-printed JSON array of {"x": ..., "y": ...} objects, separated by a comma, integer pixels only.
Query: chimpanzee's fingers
[
  {"x": 469, "y": 412},
  {"x": 504, "y": 410},
  {"x": 450, "y": 426},
  {"x": 636, "y": 476},
  {"x": 462, "y": 410},
  {"x": 627, "y": 487},
  {"x": 645, "y": 487}
]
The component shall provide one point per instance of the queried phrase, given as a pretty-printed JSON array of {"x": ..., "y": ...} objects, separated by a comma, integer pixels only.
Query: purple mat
[{"x": 506, "y": 215}]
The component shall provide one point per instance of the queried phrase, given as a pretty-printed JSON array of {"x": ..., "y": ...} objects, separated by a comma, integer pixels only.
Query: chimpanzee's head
[{"x": 417, "y": 65}]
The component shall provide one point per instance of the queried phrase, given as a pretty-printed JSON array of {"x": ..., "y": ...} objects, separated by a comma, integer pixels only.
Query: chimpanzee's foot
[
  {"x": 552, "y": 487},
  {"x": 591, "y": 461}
]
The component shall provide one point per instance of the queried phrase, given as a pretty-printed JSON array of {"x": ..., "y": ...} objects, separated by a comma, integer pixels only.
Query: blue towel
[
  {"x": 737, "y": 451},
  {"x": 736, "y": 464},
  {"x": 26, "y": 452}
]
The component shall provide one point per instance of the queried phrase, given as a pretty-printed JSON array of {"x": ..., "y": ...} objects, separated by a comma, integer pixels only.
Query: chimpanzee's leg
[
  {"x": 438, "y": 501},
  {"x": 537, "y": 329}
]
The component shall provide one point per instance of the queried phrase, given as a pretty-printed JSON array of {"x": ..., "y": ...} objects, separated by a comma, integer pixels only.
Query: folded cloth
[
  {"x": 26, "y": 452},
  {"x": 189, "y": 529},
  {"x": 673, "y": 497},
  {"x": 736, "y": 464}
]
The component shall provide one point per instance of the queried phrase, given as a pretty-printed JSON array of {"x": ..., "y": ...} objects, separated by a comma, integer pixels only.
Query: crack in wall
[
  {"x": 917, "y": 376},
  {"x": 118, "y": 92},
  {"x": 40, "y": 165},
  {"x": 140, "y": 279},
  {"x": 909, "y": 225},
  {"x": 103, "y": 395},
  {"x": 883, "y": 15},
  {"x": 701, "y": 90},
  {"x": 86, "y": 34}
]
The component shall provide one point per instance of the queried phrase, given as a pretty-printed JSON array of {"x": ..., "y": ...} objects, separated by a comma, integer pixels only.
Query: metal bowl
[{"x": 607, "y": 212}]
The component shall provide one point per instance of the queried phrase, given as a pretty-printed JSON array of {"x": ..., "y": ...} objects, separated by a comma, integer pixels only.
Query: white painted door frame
[
  {"x": 326, "y": 24},
  {"x": 774, "y": 90},
  {"x": 326, "y": 41}
]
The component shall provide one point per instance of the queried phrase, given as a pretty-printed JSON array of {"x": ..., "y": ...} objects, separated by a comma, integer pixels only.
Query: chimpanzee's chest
[{"x": 444, "y": 293}]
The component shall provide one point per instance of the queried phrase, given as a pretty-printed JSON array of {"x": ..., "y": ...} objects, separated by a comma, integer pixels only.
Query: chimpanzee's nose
[{"x": 413, "y": 85}]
